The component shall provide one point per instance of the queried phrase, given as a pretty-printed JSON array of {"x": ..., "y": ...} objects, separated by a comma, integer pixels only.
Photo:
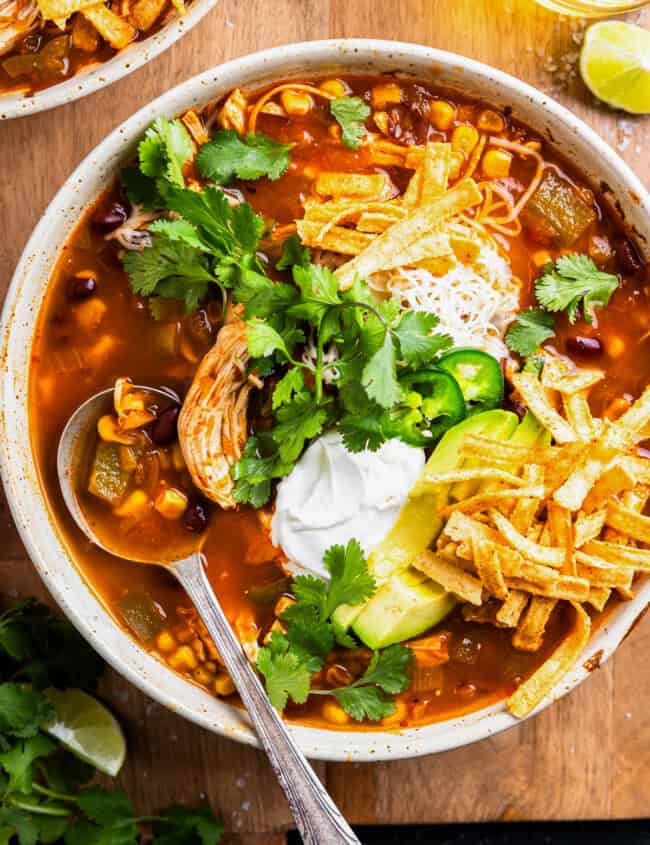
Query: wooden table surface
[{"x": 586, "y": 757}]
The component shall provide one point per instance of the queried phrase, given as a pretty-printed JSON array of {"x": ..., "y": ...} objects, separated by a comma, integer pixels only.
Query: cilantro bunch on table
[
  {"x": 45, "y": 796},
  {"x": 572, "y": 284},
  {"x": 290, "y": 659}
]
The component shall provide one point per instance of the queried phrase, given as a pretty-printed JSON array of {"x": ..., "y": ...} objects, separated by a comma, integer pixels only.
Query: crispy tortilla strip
[
  {"x": 578, "y": 414},
  {"x": 501, "y": 452},
  {"x": 560, "y": 523},
  {"x": 571, "y": 380},
  {"x": 598, "y": 597},
  {"x": 144, "y": 13},
  {"x": 615, "y": 553},
  {"x": 530, "y": 631},
  {"x": 54, "y": 10},
  {"x": 509, "y": 613},
  {"x": 574, "y": 491},
  {"x": 525, "y": 510},
  {"x": 535, "y": 552},
  {"x": 481, "y": 501},
  {"x": 628, "y": 522},
  {"x": 415, "y": 227},
  {"x": 600, "y": 573},
  {"x": 538, "y": 403},
  {"x": 375, "y": 222},
  {"x": 195, "y": 127},
  {"x": 637, "y": 467},
  {"x": 366, "y": 186},
  {"x": 566, "y": 587},
  {"x": 435, "y": 246},
  {"x": 615, "y": 479},
  {"x": 588, "y": 526},
  {"x": 476, "y": 473},
  {"x": 431, "y": 176},
  {"x": 110, "y": 26},
  {"x": 453, "y": 579},
  {"x": 487, "y": 561},
  {"x": 337, "y": 239},
  {"x": 388, "y": 153},
  {"x": 629, "y": 428},
  {"x": 539, "y": 685}
]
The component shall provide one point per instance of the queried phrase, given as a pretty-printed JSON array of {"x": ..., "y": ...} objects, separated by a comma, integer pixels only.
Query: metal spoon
[{"x": 316, "y": 816}]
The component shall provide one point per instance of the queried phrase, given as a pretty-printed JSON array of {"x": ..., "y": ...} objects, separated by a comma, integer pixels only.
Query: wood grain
[{"x": 586, "y": 757}]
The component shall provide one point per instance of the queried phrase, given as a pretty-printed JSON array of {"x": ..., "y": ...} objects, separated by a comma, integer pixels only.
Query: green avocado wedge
[
  {"x": 405, "y": 606},
  {"x": 418, "y": 523}
]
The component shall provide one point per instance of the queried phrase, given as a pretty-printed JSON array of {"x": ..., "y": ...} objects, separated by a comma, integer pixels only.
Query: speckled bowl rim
[
  {"x": 99, "y": 76},
  {"x": 576, "y": 141}
]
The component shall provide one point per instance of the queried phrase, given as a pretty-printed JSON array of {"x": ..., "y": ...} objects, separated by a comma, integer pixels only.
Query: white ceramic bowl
[
  {"x": 575, "y": 140},
  {"x": 99, "y": 76}
]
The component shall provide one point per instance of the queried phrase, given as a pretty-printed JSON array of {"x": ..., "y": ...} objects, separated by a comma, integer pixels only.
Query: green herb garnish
[
  {"x": 529, "y": 330},
  {"x": 350, "y": 114},
  {"x": 228, "y": 156},
  {"x": 573, "y": 283}
]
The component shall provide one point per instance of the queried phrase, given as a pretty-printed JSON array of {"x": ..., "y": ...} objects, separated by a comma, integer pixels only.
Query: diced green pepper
[
  {"x": 556, "y": 213},
  {"x": 143, "y": 616},
  {"x": 108, "y": 481}
]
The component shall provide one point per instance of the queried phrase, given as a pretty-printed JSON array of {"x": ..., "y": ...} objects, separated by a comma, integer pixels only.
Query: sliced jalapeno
[
  {"x": 433, "y": 403},
  {"x": 479, "y": 377}
]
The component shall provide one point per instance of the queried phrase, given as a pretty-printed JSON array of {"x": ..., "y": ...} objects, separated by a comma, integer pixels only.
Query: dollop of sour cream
[{"x": 333, "y": 495}]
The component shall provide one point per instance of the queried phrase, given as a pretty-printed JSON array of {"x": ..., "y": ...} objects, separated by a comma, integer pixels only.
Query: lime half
[
  {"x": 615, "y": 65},
  {"x": 87, "y": 729}
]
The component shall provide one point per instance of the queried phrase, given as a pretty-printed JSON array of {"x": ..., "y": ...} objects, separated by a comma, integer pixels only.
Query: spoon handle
[{"x": 317, "y": 817}]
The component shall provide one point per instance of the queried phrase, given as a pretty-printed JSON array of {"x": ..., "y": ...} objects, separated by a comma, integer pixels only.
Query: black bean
[
  {"x": 110, "y": 219},
  {"x": 586, "y": 347},
  {"x": 628, "y": 257},
  {"x": 195, "y": 517},
  {"x": 82, "y": 287},
  {"x": 163, "y": 429}
]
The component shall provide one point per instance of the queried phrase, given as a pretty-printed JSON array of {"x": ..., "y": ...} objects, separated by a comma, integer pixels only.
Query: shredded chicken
[
  {"x": 17, "y": 19},
  {"x": 212, "y": 424}
]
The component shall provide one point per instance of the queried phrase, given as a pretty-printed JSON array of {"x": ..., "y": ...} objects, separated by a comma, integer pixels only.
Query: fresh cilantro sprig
[
  {"x": 350, "y": 113},
  {"x": 290, "y": 659},
  {"x": 529, "y": 330},
  {"x": 44, "y": 797},
  {"x": 573, "y": 283},
  {"x": 228, "y": 155}
]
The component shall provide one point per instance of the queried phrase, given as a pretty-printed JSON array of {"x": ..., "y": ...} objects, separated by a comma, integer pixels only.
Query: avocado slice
[
  {"x": 418, "y": 523},
  {"x": 407, "y": 604}
]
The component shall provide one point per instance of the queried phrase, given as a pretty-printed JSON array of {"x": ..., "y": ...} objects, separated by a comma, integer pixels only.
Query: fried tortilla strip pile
[{"x": 537, "y": 527}]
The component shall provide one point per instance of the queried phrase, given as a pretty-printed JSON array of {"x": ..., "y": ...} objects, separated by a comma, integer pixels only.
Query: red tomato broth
[{"x": 496, "y": 667}]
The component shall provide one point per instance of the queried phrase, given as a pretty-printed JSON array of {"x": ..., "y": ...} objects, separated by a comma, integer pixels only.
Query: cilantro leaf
[
  {"x": 263, "y": 340},
  {"x": 140, "y": 189},
  {"x": 379, "y": 376},
  {"x": 293, "y": 253},
  {"x": 350, "y": 113},
  {"x": 417, "y": 343},
  {"x": 164, "y": 150},
  {"x": 253, "y": 472},
  {"x": 263, "y": 297},
  {"x": 23, "y": 710},
  {"x": 527, "y": 333},
  {"x": 283, "y": 672},
  {"x": 291, "y": 384},
  {"x": 298, "y": 422},
  {"x": 228, "y": 155},
  {"x": 310, "y": 637},
  {"x": 319, "y": 290},
  {"x": 18, "y": 761},
  {"x": 177, "y": 230},
  {"x": 182, "y": 826},
  {"x": 311, "y": 591},
  {"x": 573, "y": 283},
  {"x": 365, "y": 702},
  {"x": 104, "y": 807},
  {"x": 370, "y": 697},
  {"x": 361, "y": 433},
  {"x": 351, "y": 583}
]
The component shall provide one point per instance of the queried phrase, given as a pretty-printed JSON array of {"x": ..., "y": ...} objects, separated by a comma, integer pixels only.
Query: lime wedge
[
  {"x": 87, "y": 729},
  {"x": 615, "y": 65}
]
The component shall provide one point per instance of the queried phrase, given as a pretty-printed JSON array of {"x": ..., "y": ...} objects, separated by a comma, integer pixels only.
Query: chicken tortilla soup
[{"x": 403, "y": 347}]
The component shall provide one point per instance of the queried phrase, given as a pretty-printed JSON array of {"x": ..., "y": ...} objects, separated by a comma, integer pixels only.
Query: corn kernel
[
  {"x": 455, "y": 165},
  {"x": 211, "y": 666},
  {"x": 202, "y": 676},
  {"x": 223, "y": 685},
  {"x": 99, "y": 351},
  {"x": 496, "y": 164},
  {"x": 183, "y": 659},
  {"x": 490, "y": 121},
  {"x": 165, "y": 642},
  {"x": 282, "y": 604},
  {"x": 464, "y": 139},
  {"x": 296, "y": 103},
  {"x": 333, "y": 713},
  {"x": 382, "y": 121},
  {"x": 90, "y": 313},
  {"x": 442, "y": 114},
  {"x": 177, "y": 458},
  {"x": 135, "y": 503},
  {"x": 542, "y": 257},
  {"x": 386, "y": 94},
  {"x": 615, "y": 346},
  {"x": 398, "y": 716},
  {"x": 335, "y": 87},
  {"x": 170, "y": 503}
]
